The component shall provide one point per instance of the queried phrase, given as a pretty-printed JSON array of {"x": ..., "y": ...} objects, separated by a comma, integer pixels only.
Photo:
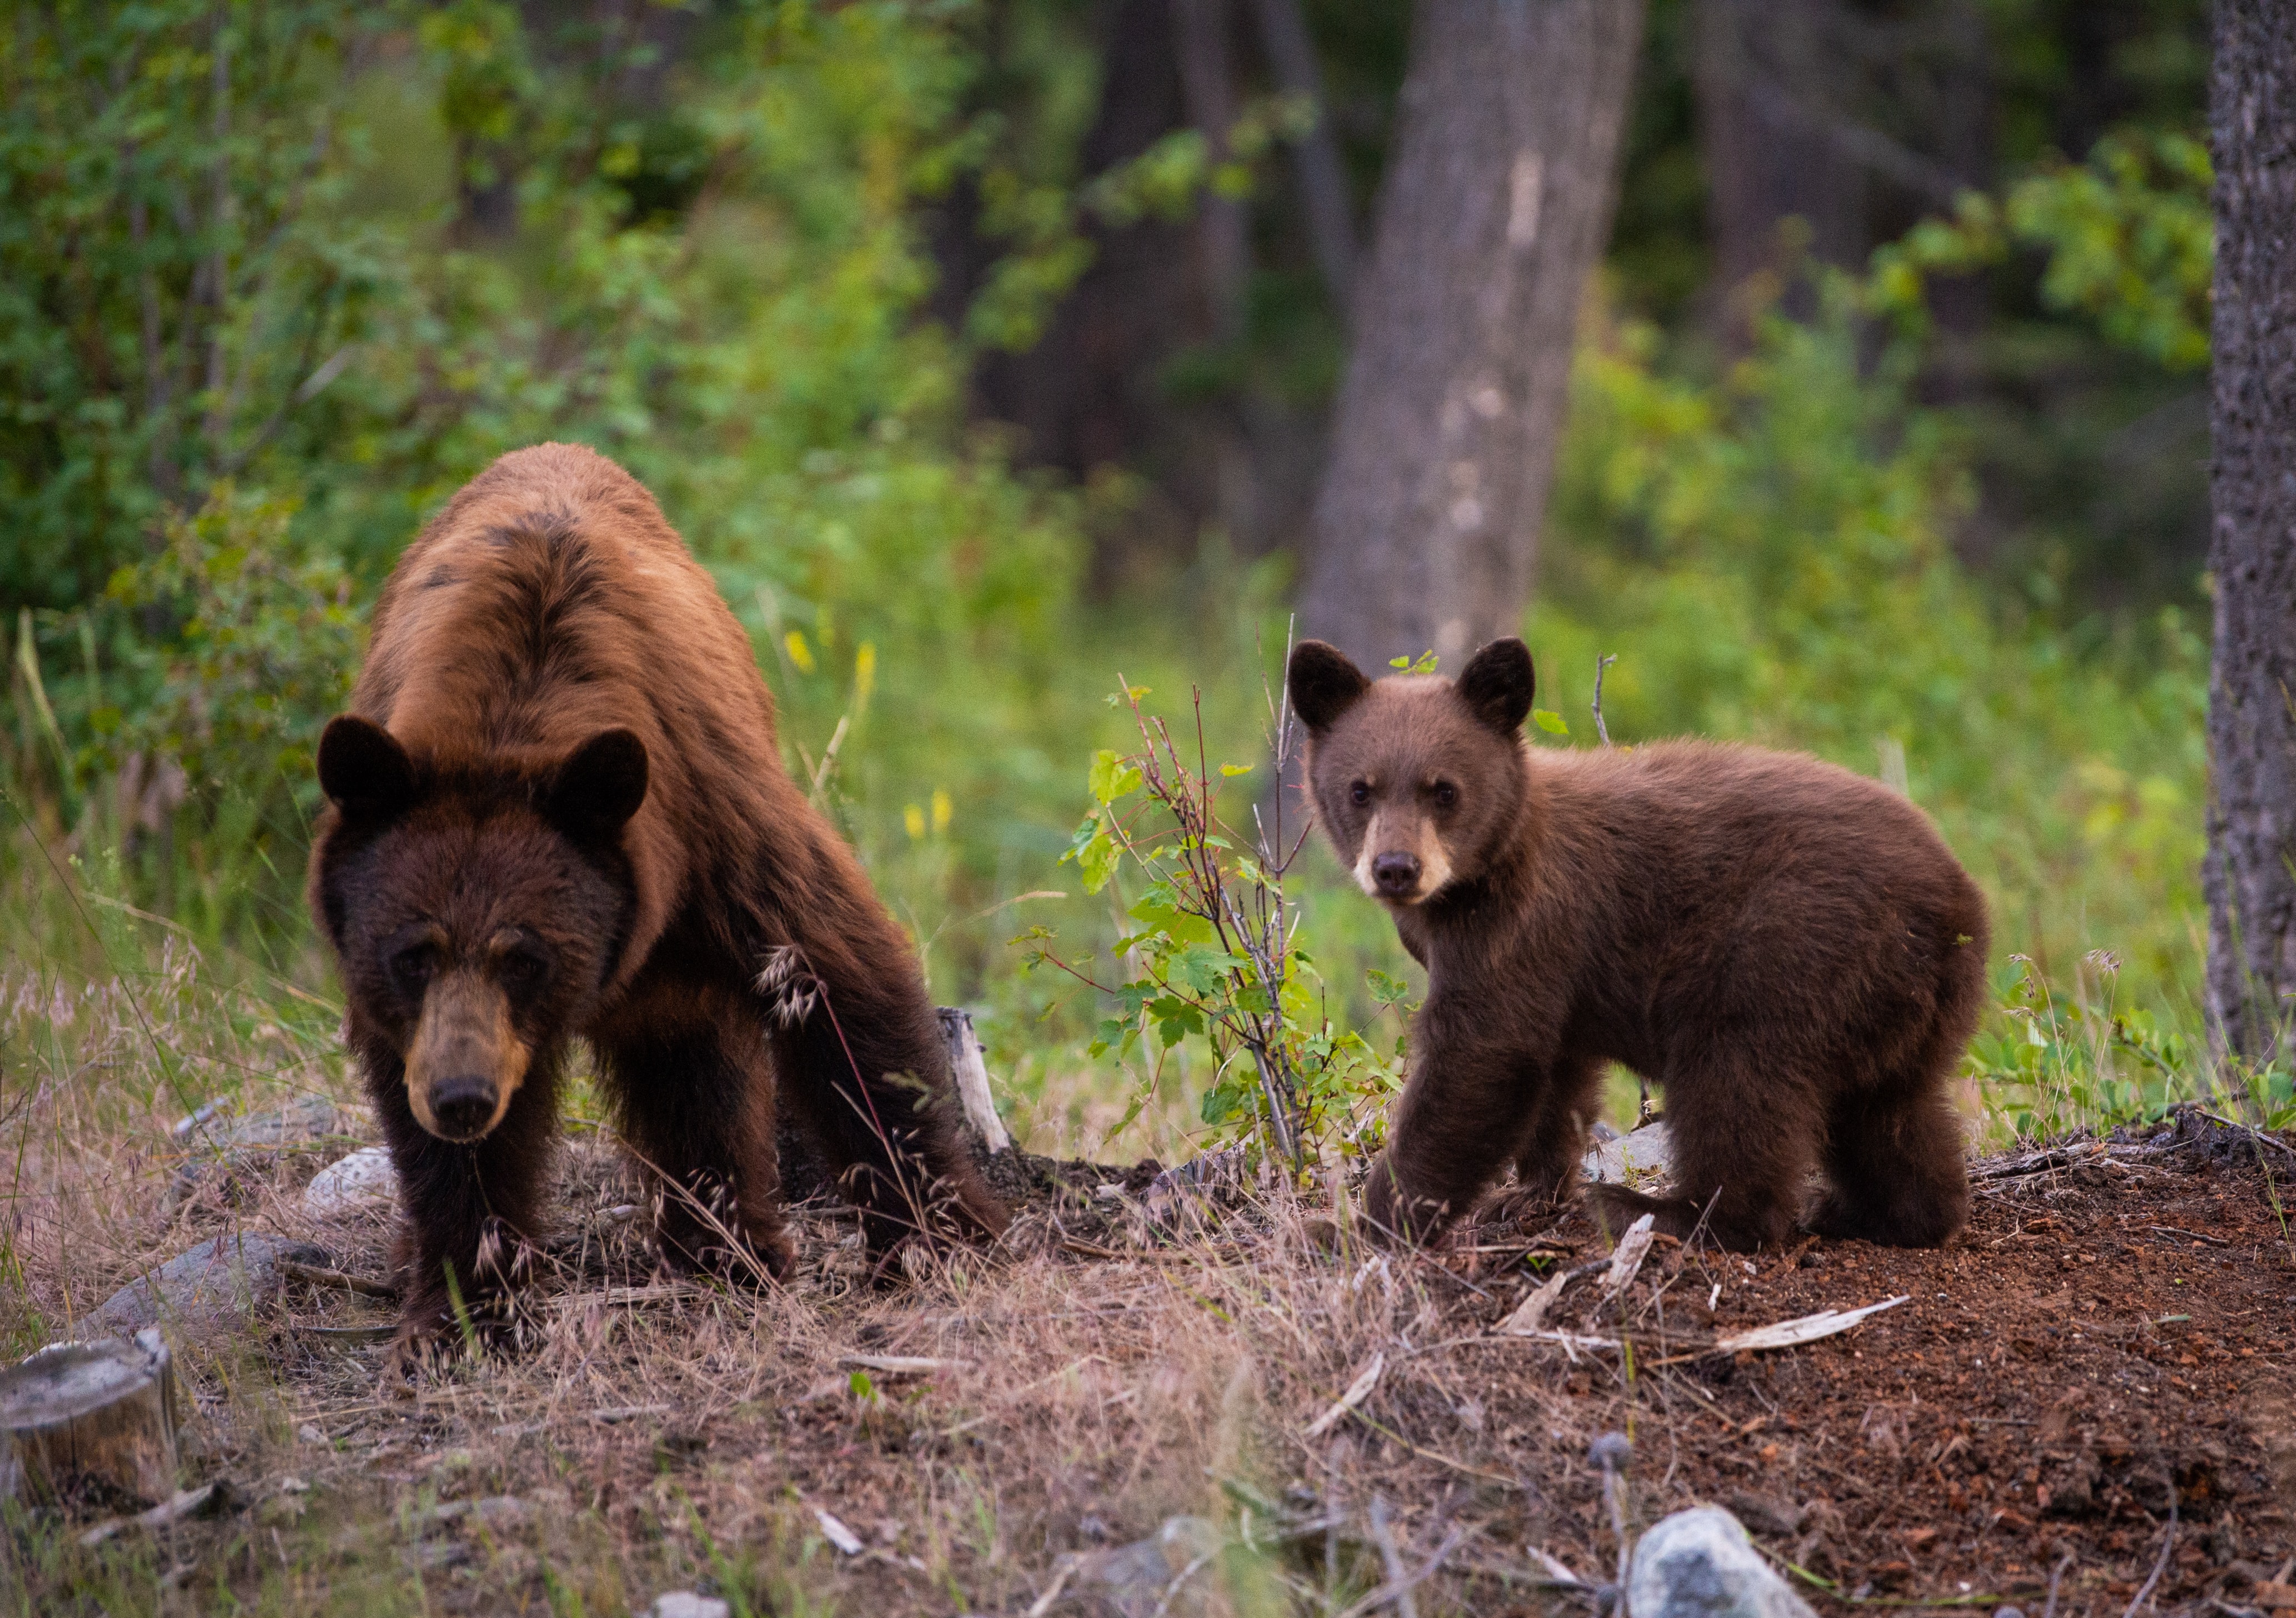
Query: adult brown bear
[
  {"x": 1787, "y": 948},
  {"x": 557, "y": 811}
]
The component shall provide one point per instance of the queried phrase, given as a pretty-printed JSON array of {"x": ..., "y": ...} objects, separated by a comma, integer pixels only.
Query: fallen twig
[
  {"x": 2160, "y": 1564},
  {"x": 315, "y": 1275},
  {"x": 188, "y": 1502},
  {"x": 1357, "y": 1391}
]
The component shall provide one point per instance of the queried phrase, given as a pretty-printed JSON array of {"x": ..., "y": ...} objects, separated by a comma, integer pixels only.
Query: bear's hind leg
[
  {"x": 1894, "y": 1167},
  {"x": 1740, "y": 1144},
  {"x": 695, "y": 1097},
  {"x": 864, "y": 1069}
]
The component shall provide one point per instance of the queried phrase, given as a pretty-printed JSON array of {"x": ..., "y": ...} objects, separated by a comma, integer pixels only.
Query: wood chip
[
  {"x": 1357, "y": 1391},
  {"x": 1808, "y": 1329},
  {"x": 2274, "y": 1595},
  {"x": 897, "y": 1365},
  {"x": 1530, "y": 1315},
  {"x": 839, "y": 1534},
  {"x": 1628, "y": 1258}
]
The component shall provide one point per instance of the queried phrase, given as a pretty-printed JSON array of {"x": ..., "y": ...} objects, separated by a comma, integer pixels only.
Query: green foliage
[
  {"x": 2128, "y": 237},
  {"x": 2052, "y": 1064},
  {"x": 1212, "y": 957},
  {"x": 168, "y": 297}
]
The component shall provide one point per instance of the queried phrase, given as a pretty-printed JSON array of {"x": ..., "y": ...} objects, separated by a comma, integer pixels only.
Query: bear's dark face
[
  {"x": 1416, "y": 777},
  {"x": 475, "y": 920}
]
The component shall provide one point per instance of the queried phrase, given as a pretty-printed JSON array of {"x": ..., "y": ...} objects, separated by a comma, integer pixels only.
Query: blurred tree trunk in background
[
  {"x": 2251, "y": 860},
  {"x": 1758, "y": 66},
  {"x": 1322, "y": 177},
  {"x": 1494, "y": 208}
]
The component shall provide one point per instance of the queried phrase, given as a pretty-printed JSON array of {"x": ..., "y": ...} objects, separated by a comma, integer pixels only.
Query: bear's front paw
[
  {"x": 433, "y": 1332},
  {"x": 1393, "y": 1215}
]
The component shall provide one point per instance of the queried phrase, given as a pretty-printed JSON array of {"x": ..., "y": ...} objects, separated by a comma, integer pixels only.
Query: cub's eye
[
  {"x": 523, "y": 971},
  {"x": 1360, "y": 792},
  {"x": 1446, "y": 795},
  {"x": 413, "y": 966}
]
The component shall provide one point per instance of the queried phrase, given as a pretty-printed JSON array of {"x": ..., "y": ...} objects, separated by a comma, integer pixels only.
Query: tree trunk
[
  {"x": 1322, "y": 177},
  {"x": 2251, "y": 860},
  {"x": 1759, "y": 69},
  {"x": 1494, "y": 208}
]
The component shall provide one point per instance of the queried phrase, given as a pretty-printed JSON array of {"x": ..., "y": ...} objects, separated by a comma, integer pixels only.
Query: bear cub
[
  {"x": 1786, "y": 949},
  {"x": 557, "y": 811}
]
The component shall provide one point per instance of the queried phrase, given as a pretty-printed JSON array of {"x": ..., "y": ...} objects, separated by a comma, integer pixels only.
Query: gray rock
[
  {"x": 1700, "y": 1564},
  {"x": 222, "y": 1145},
  {"x": 686, "y": 1604},
  {"x": 1164, "y": 1572},
  {"x": 363, "y": 1178},
  {"x": 1647, "y": 1154},
  {"x": 222, "y": 1281}
]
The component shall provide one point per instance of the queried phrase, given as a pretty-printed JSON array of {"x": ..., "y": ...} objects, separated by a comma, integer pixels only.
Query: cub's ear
[
  {"x": 600, "y": 786},
  {"x": 1497, "y": 683},
  {"x": 1323, "y": 684},
  {"x": 364, "y": 770}
]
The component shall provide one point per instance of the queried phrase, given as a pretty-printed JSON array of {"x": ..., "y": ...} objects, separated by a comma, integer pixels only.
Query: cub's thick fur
[
  {"x": 1785, "y": 947},
  {"x": 558, "y": 812}
]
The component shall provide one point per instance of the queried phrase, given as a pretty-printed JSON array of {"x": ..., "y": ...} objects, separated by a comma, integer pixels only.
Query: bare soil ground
[{"x": 2098, "y": 1376}]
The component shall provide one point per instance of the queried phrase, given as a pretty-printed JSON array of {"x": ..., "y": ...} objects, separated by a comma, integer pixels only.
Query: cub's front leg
[{"x": 1461, "y": 1118}]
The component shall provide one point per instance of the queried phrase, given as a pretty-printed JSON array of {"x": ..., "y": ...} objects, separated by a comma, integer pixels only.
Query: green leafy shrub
[{"x": 1212, "y": 953}]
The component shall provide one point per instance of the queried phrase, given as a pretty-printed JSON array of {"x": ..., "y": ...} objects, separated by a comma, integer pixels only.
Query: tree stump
[{"x": 81, "y": 1412}]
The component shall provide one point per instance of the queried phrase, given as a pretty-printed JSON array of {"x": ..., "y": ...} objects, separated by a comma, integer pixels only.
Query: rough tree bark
[
  {"x": 2250, "y": 877},
  {"x": 1495, "y": 207}
]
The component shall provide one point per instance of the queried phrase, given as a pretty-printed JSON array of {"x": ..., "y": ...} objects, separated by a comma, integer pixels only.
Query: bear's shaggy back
[{"x": 550, "y": 601}]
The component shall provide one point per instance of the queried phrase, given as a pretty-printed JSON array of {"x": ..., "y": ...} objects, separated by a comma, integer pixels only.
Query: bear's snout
[
  {"x": 1397, "y": 874},
  {"x": 467, "y": 1059},
  {"x": 463, "y": 1106}
]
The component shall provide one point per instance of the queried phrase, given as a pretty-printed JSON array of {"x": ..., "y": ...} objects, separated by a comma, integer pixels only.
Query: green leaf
[
  {"x": 1235, "y": 768},
  {"x": 1111, "y": 776},
  {"x": 1550, "y": 722}
]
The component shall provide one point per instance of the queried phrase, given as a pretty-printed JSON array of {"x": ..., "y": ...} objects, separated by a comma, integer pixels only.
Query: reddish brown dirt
[{"x": 2103, "y": 1326}]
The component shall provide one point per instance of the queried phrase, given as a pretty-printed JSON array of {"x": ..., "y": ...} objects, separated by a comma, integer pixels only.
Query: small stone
[
  {"x": 1646, "y": 1154},
  {"x": 365, "y": 1177},
  {"x": 2008, "y": 1612},
  {"x": 222, "y": 1281},
  {"x": 1137, "y": 1581},
  {"x": 686, "y": 1604},
  {"x": 310, "y": 1434},
  {"x": 1700, "y": 1564}
]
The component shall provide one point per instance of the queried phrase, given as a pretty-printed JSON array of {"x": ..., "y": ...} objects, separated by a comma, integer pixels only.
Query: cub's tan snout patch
[
  {"x": 464, "y": 1034},
  {"x": 1417, "y": 836}
]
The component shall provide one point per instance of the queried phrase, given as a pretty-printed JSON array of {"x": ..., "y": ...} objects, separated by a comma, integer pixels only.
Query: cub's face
[
  {"x": 474, "y": 923},
  {"x": 1416, "y": 777}
]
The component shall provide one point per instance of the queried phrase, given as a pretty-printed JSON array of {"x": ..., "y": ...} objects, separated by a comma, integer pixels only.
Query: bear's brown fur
[
  {"x": 1786, "y": 948},
  {"x": 558, "y": 810}
]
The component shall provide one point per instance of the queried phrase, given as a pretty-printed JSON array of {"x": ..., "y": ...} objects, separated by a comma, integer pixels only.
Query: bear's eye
[
  {"x": 1446, "y": 795},
  {"x": 414, "y": 966},
  {"x": 1360, "y": 792},
  {"x": 523, "y": 971}
]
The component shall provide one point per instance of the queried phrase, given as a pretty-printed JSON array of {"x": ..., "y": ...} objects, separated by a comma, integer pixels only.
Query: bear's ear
[
  {"x": 364, "y": 770},
  {"x": 600, "y": 786},
  {"x": 1497, "y": 683},
  {"x": 1323, "y": 684}
]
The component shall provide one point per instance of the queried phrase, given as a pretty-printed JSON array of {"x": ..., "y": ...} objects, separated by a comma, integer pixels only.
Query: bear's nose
[
  {"x": 463, "y": 1106},
  {"x": 1396, "y": 873}
]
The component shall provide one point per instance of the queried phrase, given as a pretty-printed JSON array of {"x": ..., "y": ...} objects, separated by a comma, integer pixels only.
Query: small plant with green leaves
[
  {"x": 2053, "y": 1063},
  {"x": 1214, "y": 954}
]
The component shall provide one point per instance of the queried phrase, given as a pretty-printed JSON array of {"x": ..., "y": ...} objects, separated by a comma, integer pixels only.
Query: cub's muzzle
[{"x": 467, "y": 1060}]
